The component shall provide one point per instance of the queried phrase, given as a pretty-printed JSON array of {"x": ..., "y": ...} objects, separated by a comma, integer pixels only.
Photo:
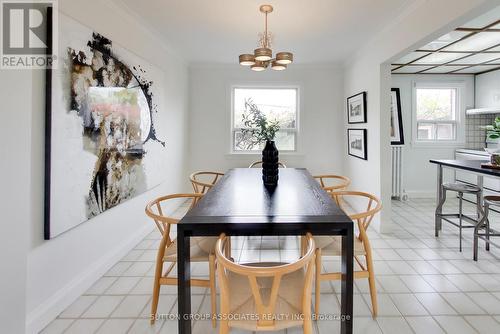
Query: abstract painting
[
  {"x": 357, "y": 143},
  {"x": 397, "y": 136},
  {"x": 356, "y": 108},
  {"x": 102, "y": 146}
]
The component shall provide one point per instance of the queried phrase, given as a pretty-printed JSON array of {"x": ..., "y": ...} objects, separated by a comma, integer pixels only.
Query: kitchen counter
[
  {"x": 470, "y": 160},
  {"x": 473, "y": 166},
  {"x": 480, "y": 152}
]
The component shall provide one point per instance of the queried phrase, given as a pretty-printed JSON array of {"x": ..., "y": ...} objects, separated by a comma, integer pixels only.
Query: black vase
[{"x": 270, "y": 168}]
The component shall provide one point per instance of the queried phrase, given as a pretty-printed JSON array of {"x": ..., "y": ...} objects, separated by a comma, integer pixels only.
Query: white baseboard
[
  {"x": 53, "y": 306},
  {"x": 421, "y": 193}
]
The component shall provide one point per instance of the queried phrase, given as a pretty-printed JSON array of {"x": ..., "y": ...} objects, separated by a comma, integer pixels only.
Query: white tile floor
[{"x": 425, "y": 285}]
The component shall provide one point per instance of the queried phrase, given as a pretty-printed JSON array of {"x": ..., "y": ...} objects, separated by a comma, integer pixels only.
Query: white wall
[
  {"x": 14, "y": 197},
  {"x": 488, "y": 90},
  {"x": 419, "y": 176},
  {"x": 46, "y": 276},
  {"x": 369, "y": 70},
  {"x": 366, "y": 174},
  {"x": 320, "y": 141}
]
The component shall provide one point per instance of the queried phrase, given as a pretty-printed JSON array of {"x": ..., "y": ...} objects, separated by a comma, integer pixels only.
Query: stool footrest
[
  {"x": 491, "y": 233},
  {"x": 465, "y": 218},
  {"x": 488, "y": 241}
]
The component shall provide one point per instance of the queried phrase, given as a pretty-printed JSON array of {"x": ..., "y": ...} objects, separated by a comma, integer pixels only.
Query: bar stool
[
  {"x": 461, "y": 189},
  {"x": 484, "y": 223}
]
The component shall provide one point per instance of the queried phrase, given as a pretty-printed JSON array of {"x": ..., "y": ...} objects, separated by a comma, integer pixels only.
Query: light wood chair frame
[
  {"x": 254, "y": 272},
  {"x": 344, "y": 182},
  {"x": 257, "y": 163},
  {"x": 363, "y": 220},
  {"x": 202, "y": 187},
  {"x": 164, "y": 224}
]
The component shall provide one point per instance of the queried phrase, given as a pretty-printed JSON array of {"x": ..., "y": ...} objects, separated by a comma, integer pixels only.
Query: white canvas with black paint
[{"x": 105, "y": 143}]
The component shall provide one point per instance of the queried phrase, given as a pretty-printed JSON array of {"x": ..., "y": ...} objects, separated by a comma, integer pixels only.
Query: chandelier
[{"x": 262, "y": 57}]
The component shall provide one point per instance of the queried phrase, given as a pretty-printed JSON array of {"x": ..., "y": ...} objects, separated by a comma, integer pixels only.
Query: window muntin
[{"x": 277, "y": 104}]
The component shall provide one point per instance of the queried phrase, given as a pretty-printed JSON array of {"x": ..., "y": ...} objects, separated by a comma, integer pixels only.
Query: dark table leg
[
  {"x": 347, "y": 281},
  {"x": 439, "y": 201},
  {"x": 184, "y": 280}
]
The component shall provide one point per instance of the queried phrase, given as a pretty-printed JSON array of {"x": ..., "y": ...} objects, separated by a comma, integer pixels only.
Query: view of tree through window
[
  {"x": 276, "y": 104},
  {"x": 436, "y": 113}
]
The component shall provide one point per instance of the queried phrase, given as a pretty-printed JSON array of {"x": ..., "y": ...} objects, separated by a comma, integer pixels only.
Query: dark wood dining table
[{"x": 240, "y": 205}]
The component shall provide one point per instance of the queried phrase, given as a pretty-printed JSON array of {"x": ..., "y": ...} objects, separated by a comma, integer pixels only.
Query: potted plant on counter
[
  {"x": 259, "y": 129},
  {"x": 493, "y": 135}
]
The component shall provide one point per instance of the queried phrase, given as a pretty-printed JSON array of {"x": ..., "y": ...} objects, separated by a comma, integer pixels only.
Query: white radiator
[{"x": 397, "y": 173}]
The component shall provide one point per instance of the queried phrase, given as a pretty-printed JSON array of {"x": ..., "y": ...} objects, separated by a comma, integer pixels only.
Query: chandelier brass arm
[{"x": 262, "y": 57}]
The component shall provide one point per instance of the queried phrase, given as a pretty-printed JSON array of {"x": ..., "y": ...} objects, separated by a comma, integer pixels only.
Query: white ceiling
[
  {"x": 217, "y": 31},
  {"x": 472, "y": 48}
]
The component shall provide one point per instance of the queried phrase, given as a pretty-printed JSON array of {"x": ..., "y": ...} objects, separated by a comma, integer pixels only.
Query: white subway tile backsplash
[{"x": 474, "y": 134}]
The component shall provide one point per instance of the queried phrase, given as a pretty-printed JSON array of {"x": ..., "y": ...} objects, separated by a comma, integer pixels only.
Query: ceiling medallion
[{"x": 262, "y": 57}]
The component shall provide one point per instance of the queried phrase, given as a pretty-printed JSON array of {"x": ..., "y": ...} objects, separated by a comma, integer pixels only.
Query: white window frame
[
  {"x": 460, "y": 114},
  {"x": 265, "y": 86}
]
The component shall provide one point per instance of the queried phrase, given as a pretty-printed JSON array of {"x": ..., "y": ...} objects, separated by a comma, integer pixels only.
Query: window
[
  {"x": 278, "y": 104},
  {"x": 437, "y": 112}
]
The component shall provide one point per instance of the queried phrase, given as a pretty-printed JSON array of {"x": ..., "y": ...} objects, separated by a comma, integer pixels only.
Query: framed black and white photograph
[
  {"x": 357, "y": 143},
  {"x": 356, "y": 108},
  {"x": 397, "y": 136}
]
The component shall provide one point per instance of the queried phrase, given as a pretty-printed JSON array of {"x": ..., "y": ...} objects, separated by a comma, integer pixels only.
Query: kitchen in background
[{"x": 487, "y": 107}]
